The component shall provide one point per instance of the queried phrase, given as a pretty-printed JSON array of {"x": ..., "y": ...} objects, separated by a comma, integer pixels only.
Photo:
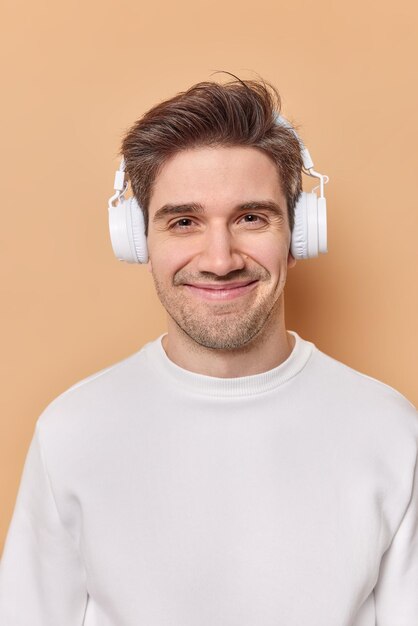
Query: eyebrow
[{"x": 194, "y": 207}]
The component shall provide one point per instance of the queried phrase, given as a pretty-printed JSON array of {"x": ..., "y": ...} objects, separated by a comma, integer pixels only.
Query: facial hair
[{"x": 219, "y": 325}]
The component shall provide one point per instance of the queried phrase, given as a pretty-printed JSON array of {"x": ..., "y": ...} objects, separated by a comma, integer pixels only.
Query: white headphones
[{"x": 309, "y": 235}]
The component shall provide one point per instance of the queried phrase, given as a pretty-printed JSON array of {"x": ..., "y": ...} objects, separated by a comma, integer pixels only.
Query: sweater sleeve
[
  {"x": 396, "y": 590},
  {"x": 42, "y": 580}
]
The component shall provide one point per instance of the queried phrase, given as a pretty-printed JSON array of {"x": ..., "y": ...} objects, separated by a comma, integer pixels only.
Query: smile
[{"x": 221, "y": 292}]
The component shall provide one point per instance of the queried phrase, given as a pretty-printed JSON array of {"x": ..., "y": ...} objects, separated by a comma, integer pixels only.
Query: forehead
[{"x": 216, "y": 175}]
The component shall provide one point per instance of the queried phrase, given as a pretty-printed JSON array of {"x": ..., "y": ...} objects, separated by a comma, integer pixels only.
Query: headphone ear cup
[
  {"x": 309, "y": 235},
  {"x": 299, "y": 243},
  {"x": 127, "y": 231},
  {"x": 322, "y": 225}
]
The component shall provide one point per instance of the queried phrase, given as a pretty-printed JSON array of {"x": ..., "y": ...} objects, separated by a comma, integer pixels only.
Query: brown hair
[{"x": 238, "y": 113}]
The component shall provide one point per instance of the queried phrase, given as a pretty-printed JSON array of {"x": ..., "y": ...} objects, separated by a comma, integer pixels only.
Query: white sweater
[{"x": 154, "y": 496}]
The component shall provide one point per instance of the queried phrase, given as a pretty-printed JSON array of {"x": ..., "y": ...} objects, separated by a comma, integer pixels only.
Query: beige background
[{"x": 77, "y": 74}]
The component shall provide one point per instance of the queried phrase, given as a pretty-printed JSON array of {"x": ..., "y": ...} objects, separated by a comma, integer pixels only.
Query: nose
[{"x": 219, "y": 254}]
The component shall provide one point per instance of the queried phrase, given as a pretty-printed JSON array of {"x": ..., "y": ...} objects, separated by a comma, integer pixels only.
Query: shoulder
[
  {"x": 350, "y": 379},
  {"x": 93, "y": 401},
  {"x": 360, "y": 394}
]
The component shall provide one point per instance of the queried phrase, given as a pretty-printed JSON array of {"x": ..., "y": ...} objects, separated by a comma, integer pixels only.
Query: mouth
[{"x": 216, "y": 291}]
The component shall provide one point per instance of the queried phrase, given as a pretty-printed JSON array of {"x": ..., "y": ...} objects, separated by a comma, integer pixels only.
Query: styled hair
[{"x": 237, "y": 113}]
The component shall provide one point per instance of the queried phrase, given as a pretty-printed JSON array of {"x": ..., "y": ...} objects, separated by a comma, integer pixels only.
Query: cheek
[
  {"x": 272, "y": 255},
  {"x": 169, "y": 260}
]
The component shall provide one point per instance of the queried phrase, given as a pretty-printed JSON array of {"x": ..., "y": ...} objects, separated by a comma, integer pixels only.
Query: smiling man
[
  {"x": 229, "y": 473},
  {"x": 220, "y": 260}
]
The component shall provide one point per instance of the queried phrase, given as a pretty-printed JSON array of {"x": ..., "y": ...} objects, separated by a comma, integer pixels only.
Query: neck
[{"x": 272, "y": 345}]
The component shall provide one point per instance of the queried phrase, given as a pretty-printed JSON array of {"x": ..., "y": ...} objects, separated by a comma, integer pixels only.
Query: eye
[
  {"x": 253, "y": 218},
  {"x": 182, "y": 224}
]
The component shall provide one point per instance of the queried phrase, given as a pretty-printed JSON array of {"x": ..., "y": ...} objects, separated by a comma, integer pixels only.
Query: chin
[{"x": 221, "y": 335}]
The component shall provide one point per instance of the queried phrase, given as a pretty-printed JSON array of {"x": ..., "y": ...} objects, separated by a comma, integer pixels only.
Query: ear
[{"x": 291, "y": 261}]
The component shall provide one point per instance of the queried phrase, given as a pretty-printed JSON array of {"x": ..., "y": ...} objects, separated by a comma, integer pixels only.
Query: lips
[
  {"x": 216, "y": 291},
  {"x": 235, "y": 285}
]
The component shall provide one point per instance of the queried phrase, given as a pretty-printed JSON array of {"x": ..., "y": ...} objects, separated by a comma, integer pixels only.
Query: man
[{"x": 229, "y": 473}]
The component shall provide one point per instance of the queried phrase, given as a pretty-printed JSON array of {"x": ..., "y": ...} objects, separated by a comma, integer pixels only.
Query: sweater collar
[{"x": 230, "y": 387}]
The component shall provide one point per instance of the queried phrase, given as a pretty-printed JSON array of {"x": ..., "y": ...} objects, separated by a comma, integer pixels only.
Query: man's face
[{"x": 218, "y": 243}]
